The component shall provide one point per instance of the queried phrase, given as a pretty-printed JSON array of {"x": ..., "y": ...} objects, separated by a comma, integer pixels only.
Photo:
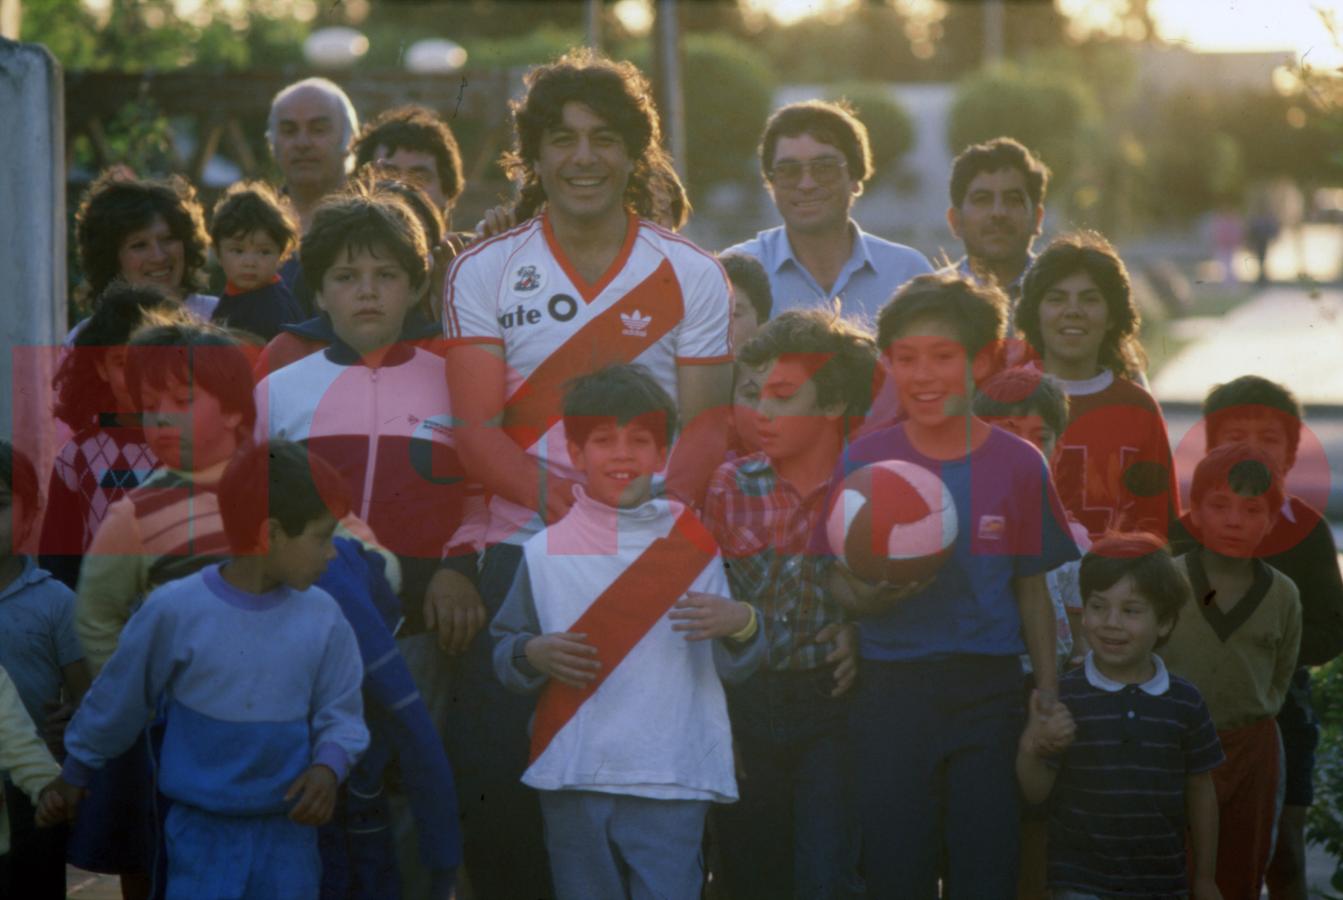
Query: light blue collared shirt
[{"x": 874, "y": 272}]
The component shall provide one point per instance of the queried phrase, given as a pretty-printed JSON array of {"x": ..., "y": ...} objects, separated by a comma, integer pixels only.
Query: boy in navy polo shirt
[
  {"x": 1137, "y": 766},
  {"x": 938, "y": 709}
]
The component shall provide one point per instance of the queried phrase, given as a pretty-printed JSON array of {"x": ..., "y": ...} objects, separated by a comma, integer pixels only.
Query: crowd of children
[{"x": 255, "y": 661}]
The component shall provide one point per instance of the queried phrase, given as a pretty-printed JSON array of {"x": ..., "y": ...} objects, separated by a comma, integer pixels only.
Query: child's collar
[
  {"x": 232, "y": 290},
  {"x": 343, "y": 354},
  {"x": 1157, "y": 685}
]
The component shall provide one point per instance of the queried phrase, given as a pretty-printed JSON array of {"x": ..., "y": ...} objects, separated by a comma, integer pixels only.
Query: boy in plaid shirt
[{"x": 807, "y": 376}]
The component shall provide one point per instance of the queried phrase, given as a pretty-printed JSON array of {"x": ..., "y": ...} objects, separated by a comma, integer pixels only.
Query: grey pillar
[{"x": 32, "y": 244}]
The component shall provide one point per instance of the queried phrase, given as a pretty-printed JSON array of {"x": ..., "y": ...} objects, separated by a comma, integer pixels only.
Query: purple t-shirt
[{"x": 1010, "y": 525}]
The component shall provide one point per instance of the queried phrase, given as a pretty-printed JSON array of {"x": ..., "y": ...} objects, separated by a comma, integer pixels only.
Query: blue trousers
[
  {"x": 212, "y": 857},
  {"x": 617, "y": 847},
  {"x": 793, "y": 833},
  {"x": 934, "y": 752}
]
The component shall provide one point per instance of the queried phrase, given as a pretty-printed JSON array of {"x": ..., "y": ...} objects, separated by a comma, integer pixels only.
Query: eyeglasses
[{"x": 824, "y": 171}]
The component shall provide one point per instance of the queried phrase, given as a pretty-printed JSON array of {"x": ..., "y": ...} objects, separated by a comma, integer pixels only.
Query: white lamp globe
[
  {"x": 435, "y": 56},
  {"x": 337, "y": 47}
]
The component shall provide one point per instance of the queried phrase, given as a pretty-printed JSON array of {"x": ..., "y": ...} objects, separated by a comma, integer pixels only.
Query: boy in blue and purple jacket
[{"x": 259, "y": 677}]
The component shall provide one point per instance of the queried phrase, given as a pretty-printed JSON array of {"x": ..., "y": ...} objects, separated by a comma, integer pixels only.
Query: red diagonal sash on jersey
[
  {"x": 606, "y": 340},
  {"x": 619, "y": 618}
]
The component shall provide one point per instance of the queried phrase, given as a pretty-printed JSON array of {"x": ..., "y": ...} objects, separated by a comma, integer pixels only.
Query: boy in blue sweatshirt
[{"x": 258, "y": 674}]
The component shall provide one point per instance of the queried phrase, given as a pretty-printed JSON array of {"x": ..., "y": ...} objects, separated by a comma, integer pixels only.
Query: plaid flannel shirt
[{"x": 763, "y": 525}]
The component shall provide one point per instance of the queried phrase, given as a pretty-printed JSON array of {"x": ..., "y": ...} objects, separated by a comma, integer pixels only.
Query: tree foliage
[
  {"x": 728, "y": 89},
  {"x": 154, "y": 34},
  {"x": 1043, "y": 109},
  {"x": 889, "y": 126}
]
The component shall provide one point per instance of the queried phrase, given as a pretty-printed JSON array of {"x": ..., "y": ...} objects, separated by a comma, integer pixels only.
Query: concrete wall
[{"x": 32, "y": 243}]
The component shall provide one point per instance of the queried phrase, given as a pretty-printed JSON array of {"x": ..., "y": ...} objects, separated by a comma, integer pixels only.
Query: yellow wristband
[{"x": 749, "y": 631}]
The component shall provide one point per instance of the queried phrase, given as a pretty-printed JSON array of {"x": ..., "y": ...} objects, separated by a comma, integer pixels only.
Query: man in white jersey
[{"x": 588, "y": 282}]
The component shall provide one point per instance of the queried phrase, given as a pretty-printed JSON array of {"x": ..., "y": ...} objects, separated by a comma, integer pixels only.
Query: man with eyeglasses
[{"x": 815, "y": 158}]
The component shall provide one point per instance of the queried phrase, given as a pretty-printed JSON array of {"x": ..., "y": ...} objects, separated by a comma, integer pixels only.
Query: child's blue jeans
[
  {"x": 244, "y": 857},
  {"x": 618, "y": 847},
  {"x": 934, "y": 756}
]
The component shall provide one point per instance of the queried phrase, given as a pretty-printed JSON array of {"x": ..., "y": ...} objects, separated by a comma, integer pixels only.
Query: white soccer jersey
[{"x": 663, "y": 303}]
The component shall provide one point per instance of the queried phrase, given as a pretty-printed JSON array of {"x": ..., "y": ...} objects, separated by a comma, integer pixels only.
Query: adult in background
[
  {"x": 816, "y": 157},
  {"x": 147, "y": 233},
  {"x": 411, "y": 143},
  {"x": 587, "y": 282},
  {"x": 997, "y": 209},
  {"x": 311, "y": 126}
]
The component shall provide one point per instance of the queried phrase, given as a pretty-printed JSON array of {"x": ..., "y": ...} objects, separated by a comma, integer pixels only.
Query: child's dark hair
[
  {"x": 116, "y": 205},
  {"x": 364, "y": 218},
  {"x": 82, "y": 396},
  {"x": 1247, "y": 470},
  {"x": 1251, "y": 396},
  {"x": 840, "y": 356},
  {"x": 203, "y": 356},
  {"x": 625, "y": 394},
  {"x": 1023, "y": 390},
  {"x": 430, "y": 216},
  {"x": 249, "y": 206},
  {"x": 1086, "y": 252},
  {"x": 278, "y": 480},
  {"x": 747, "y": 274},
  {"x": 18, "y": 473},
  {"x": 977, "y": 313},
  {"x": 1145, "y": 559}
]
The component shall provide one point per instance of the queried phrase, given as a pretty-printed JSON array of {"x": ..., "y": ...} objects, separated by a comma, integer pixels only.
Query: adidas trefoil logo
[{"x": 636, "y": 323}]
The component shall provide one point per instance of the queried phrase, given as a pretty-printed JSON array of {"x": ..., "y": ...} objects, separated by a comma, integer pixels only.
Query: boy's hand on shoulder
[
  {"x": 706, "y": 616},
  {"x": 315, "y": 795},
  {"x": 844, "y": 656},
  {"x": 452, "y": 605},
  {"x": 58, "y": 803},
  {"x": 565, "y": 656}
]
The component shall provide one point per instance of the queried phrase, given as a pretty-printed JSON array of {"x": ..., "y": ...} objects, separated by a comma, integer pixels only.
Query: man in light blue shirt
[{"x": 815, "y": 157}]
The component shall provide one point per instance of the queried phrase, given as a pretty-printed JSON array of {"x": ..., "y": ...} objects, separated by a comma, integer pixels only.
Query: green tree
[
  {"x": 1045, "y": 110},
  {"x": 728, "y": 89},
  {"x": 889, "y": 126}
]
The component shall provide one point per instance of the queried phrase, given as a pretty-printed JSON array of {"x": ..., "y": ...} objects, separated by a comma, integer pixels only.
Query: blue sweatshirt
[{"x": 255, "y": 688}]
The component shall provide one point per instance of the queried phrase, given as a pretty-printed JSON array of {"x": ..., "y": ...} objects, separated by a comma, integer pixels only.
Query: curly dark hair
[
  {"x": 82, "y": 395},
  {"x": 1090, "y": 253},
  {"x": 115, "y": 206},
  {"x": 840, "y": 355},
  {"x": 417, "y": 129},
  {"x": 620, "y": 94}
]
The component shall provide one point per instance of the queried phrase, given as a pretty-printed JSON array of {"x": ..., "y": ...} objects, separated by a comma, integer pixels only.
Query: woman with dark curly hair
[
  {"x": 147, "y": 233},
  {"x": 1113, "y": 462}
]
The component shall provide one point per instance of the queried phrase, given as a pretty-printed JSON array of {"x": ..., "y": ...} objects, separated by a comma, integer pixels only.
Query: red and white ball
[{"x": 892, "y": 521}]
